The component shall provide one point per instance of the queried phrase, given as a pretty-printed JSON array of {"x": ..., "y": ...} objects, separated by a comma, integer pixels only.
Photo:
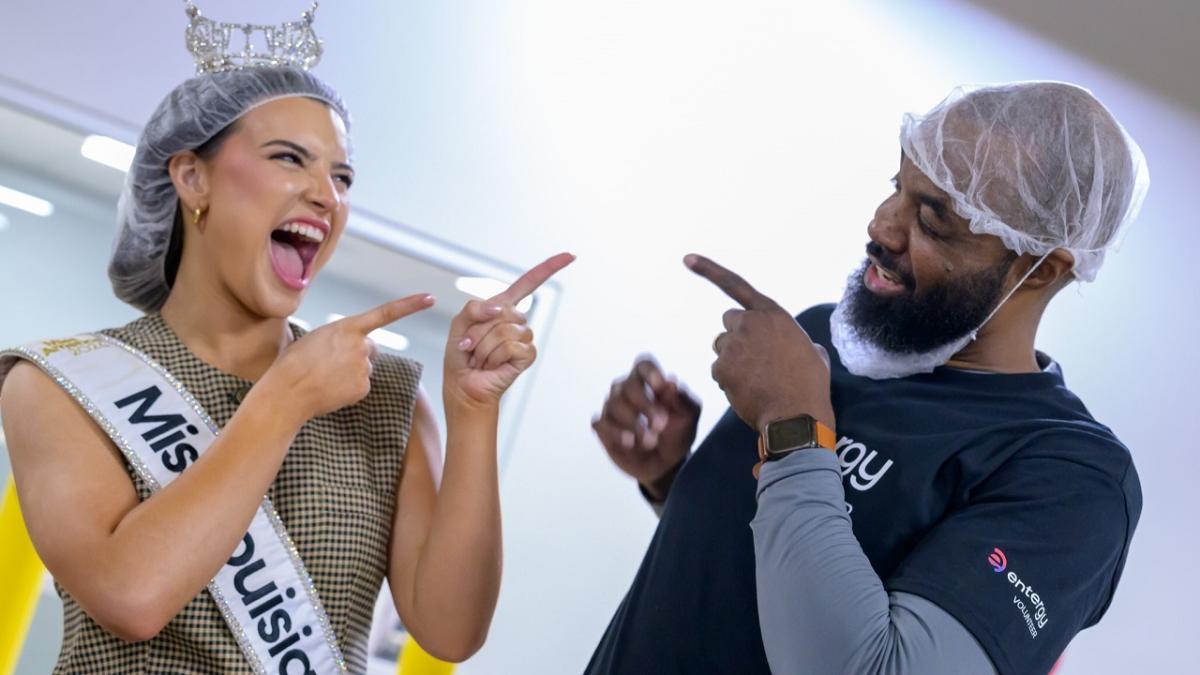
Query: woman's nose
[{"x": 322, "y": 193}]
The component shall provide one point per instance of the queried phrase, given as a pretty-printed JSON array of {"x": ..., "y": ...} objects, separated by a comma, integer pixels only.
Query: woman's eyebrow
[
  {"x": 300, "y": 149},
  {"x": 303, "y": 152}
]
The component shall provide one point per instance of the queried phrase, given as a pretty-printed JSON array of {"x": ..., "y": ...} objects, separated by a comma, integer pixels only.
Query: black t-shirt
[{"x": 997, "y": 497}]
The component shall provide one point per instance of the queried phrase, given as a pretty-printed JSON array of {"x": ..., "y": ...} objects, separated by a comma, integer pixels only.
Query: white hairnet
[
  {"x": 1041, "y": 165},
  {"x": 193, "y": 113}
]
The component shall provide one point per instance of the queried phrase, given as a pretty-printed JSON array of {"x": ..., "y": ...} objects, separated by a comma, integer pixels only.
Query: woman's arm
[
  {"x": 446, "y": 543},
  {"x": 132, "y": 565},
  {"x": 445, "y": 562}
]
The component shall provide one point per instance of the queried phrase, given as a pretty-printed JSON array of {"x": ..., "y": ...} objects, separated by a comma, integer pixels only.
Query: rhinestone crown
[{"x": 212, "y": 43}]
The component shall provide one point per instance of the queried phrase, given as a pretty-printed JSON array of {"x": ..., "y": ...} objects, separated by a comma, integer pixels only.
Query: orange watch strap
[{"x": 826, "y": 438}]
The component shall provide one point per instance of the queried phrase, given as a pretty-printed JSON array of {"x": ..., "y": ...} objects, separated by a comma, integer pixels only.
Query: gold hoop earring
[{"x": 196, "y": 214}]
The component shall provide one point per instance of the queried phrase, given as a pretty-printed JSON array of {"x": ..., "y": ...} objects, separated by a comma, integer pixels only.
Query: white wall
[{"x": 764, "y": 134}]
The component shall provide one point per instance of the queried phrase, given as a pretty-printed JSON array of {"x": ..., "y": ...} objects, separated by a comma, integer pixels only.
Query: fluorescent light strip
[
  {"x": 107, "y": 151},
  {"x": 384, "y": 338},
  {"x": 487, "y": 287},
  {"x": 26, "y": 202}
]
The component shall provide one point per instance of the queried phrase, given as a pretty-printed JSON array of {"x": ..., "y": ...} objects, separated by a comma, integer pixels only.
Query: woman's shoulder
[
  {"x": 32, "y": 402},
  {"x": 148, "y": 328},
  {"x": 21, "y": 382},
  {"x": 29, "y": 356}
]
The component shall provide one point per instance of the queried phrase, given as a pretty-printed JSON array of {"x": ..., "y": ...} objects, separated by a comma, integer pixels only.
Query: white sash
[{"x": 265, "y": 594}]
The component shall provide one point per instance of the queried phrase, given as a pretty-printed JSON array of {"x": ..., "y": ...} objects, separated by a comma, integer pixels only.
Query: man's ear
[
  {"x": 189, "y": 175},
  {"x": 1054, "y": 272}
]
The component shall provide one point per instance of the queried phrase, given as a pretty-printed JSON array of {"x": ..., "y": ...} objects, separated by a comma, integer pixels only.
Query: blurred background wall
[{"x": 632, "y": 132}]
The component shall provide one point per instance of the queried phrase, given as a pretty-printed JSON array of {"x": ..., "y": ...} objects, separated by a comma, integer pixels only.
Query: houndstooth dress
[{"x": 335, "y": 494}]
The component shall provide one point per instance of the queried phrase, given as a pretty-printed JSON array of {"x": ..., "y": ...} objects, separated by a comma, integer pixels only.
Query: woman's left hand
[{"x": 490, "y": 344}]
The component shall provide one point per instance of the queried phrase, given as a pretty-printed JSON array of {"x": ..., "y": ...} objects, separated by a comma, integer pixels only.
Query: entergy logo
[
  {"x": 1027, "y": 601},
  {"x": 997, "y": 560}
]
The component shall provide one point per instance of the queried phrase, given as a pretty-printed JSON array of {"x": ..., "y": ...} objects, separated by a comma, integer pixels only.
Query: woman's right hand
[{"x": 330, "y": 368}]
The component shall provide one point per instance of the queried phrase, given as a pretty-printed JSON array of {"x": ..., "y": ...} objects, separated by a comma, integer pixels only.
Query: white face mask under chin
[{"x": 866, "y": 359}]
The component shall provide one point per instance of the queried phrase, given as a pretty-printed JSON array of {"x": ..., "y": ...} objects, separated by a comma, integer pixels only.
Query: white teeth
[
  {"x": 314, "y": 234},
  {"x": 886, "y": 275}
]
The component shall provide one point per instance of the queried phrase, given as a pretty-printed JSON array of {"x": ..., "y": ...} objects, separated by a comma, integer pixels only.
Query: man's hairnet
[
  {"x": 193, "y": 113},
  {"x": 1041, "y": 165}
]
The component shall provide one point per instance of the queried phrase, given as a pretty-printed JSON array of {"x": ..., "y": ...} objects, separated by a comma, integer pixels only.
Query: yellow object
[
  {"x": 417, "y": 661},
  {"x": 20, "y": 579}
]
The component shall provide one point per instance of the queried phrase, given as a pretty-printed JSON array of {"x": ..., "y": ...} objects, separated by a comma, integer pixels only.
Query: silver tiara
[{"x": 215, "y": 44}]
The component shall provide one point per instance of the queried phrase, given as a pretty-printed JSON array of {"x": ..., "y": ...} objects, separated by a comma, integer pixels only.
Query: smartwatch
[{"x": 782, "y": 437}]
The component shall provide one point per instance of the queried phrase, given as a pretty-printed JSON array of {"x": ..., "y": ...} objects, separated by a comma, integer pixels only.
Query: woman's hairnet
[
  {"x": 1041, "y": 165},
  {"x": 193, "y": 113}
]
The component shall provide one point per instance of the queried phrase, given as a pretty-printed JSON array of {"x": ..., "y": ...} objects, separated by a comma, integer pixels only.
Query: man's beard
[{"x": 908, "y": 324}]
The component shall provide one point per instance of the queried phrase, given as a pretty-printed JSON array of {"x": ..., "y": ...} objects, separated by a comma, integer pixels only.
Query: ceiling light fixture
[
  {"x": 107, "y": 151},
  {"x": 26, "y": 202}
]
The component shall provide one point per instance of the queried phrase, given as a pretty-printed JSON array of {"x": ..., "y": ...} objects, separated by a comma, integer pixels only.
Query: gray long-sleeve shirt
[{"x": 822, "y": 608}]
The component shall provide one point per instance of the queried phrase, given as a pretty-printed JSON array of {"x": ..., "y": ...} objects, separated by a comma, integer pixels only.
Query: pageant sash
[{"x": 263, "y": 591}]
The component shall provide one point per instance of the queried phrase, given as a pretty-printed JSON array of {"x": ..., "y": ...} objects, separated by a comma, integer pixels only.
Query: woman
[{"x": 238, "y": 196}]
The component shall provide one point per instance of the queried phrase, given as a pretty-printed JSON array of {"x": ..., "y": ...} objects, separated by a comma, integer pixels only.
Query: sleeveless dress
[{"x": 335, "y": 493}]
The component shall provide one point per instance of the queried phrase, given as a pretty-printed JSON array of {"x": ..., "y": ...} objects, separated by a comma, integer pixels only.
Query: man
[{"x": 901, "y": 484}]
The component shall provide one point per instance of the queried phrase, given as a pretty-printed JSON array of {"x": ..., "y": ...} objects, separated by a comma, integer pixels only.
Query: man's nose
[{"x": 885, "y": 228}]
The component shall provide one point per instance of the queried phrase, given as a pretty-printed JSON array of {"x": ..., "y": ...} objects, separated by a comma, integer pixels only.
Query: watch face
[{"x": 790, "y": 434}]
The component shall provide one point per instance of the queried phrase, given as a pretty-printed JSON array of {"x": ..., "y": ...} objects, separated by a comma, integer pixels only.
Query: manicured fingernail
[
  {"x": 627, "y": 439},
  {"x": 492, "y": 310},
  {"x": 690, "y": 260},
  {"x": 659, "y": 421},
  {"x": 650, "y": 439},
  {"x": 464, "y": 344}
]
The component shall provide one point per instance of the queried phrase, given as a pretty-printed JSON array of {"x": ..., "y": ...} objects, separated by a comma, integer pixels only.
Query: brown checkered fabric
[{"x": 335, "y": 493}]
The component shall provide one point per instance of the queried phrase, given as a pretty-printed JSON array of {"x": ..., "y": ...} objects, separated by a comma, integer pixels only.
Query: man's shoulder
[
  {"x": 1080, "y": 446},
  {"x": 815, "y": 322}
]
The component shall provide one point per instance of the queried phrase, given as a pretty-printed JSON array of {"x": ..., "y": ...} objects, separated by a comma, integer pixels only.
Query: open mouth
[
  {"x": 294, "y": 246},
  {"x": 883, "y": 280}
]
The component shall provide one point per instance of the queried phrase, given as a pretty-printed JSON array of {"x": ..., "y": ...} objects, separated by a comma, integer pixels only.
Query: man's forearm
[{"x": 822, "y": 608}]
